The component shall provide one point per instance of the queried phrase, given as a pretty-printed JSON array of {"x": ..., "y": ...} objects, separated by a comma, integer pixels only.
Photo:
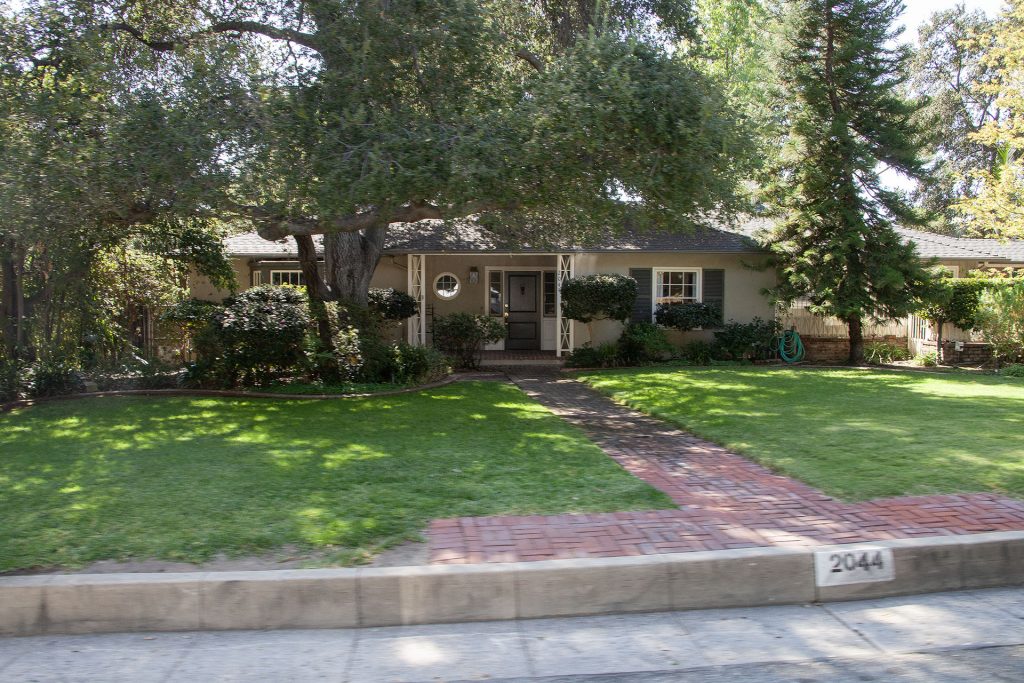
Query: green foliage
[
  {"x": 883, "y": 353},
  {"x": 595, "y": 297},
  {"x": 954, "y": 300},
  {"x": 391, "y": 304},
  {"x": 418, "y": 364},
  {"x": 755, "y": 339},
  {"x": 349, "y": 359},
  {"x": 700, "y": 352},
  {"x": 928, "y": 360},
  {"x": 1013, "y": 370},
  {"x": 12, "y": 386},
  {"x": 462, "y": 336},
  {"x": 644, "y": 342},
  {"x": 587, "y": 356},
  {"x": 258, "y": 332},
  {"x": 688, "y": 316},
  {"x": 52, "y": 378},
  {"x": 1001, "y": 318},
  {"x": 949, "y": 69},
  {"x": 843, "y": 68}
]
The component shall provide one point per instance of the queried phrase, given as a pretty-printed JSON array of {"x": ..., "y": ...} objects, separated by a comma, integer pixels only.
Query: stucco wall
[{"x": 743, "y": 285}]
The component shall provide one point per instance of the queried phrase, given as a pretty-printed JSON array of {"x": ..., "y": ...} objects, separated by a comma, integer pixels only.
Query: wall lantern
[{"x": 474, "y": 275}]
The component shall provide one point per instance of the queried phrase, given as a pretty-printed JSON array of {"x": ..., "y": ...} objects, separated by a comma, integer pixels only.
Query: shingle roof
[
  {"x": 931, "y": 245},
  {"x": 466, "y": 238}
]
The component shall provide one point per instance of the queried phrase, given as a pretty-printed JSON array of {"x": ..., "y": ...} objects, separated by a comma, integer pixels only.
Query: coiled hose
[{"x": 791, "y": 349}]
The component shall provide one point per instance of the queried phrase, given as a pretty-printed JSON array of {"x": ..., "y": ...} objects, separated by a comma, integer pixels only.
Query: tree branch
[
  {"x": 531, "y": 58},
  {"x": 273, "y": 225},
  {"x": 299, "y": 37}
]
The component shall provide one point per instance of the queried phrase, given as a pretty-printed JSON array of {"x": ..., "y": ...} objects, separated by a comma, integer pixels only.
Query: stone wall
[
  {"x": 837, "y": 349},
  {"x": 973, "y": 353}
]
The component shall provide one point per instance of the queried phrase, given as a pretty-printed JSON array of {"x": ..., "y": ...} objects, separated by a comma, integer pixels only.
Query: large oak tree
[{"x": 541, "y": 119}]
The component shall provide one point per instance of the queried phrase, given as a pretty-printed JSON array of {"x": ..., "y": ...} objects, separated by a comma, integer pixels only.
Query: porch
[{"x": 521, "y": 289}]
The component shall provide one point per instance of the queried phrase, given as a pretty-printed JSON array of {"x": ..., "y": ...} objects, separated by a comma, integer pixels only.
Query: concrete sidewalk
[{"x": 964, "y": 636}]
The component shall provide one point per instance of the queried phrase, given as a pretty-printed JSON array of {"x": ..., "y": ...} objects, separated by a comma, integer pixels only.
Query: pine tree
[{"x": 834, "y": 243}]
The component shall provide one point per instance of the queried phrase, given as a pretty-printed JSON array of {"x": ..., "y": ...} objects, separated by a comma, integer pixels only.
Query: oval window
[{"x": 447, "y": 286}]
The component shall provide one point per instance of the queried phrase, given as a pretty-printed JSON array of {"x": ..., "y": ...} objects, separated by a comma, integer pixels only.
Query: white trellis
[
  {"x": 418, "y": 290},
  {"x": 564, "y": 326}
]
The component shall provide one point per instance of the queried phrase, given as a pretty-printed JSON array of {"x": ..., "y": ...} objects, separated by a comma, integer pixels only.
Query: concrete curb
[{"x": 345, "y": 598}]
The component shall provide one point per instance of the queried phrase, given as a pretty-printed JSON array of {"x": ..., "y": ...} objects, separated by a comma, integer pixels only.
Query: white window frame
[
  {"x": 698, "y": 284},
  {"x": 458, "y": 286},
  {"x": 287, "y": 272}
]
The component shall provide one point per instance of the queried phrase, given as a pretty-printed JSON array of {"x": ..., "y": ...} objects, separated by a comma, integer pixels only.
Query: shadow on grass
[{"x": 185, "y": 478}]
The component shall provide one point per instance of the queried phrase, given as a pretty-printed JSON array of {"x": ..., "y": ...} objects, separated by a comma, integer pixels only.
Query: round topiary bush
[{"x": 390, "y": 304}]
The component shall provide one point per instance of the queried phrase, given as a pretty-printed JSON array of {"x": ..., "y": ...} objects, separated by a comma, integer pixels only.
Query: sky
[{"x": 918, "y": 10}]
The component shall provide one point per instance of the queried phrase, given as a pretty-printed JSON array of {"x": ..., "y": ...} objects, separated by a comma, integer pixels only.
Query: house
[
  {"x": 462, "y": 267},
  {"x": 959, "y": 255}
]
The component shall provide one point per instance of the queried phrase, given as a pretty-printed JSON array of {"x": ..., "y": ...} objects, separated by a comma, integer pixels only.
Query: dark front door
[{"x": 523, "y": 312}]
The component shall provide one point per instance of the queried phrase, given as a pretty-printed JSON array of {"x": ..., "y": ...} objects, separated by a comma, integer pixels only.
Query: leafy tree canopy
[{"x": 544, "y": 118}]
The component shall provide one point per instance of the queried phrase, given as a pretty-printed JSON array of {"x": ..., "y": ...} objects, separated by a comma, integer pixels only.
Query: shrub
[
  {"x": 643, "y": 343},
  {"x": 53, "y": 378},
  {"x": 392, "y": 305},
  {"x": 688, "y": 316},
  {"x": 192, "y": 316},
  {"x": 12, "y": 384},
  {"x": 587, "y": 356},
  {"x": 878, "y": 353},
  {"x": 1013, "y": 370},
  {"x": 1000, "y": 318},
  {"x": 599, "y": 297},
  {"x": 462, "y": 335},
  {"x": 700, "y": 352},
  {"x": 349, "y": 360},
  {"x": 418, "y": 364},
  {"x": 744, "y": 340},
  {"x": 928, "y": 360},
  {"x": 261, "y": 330}
]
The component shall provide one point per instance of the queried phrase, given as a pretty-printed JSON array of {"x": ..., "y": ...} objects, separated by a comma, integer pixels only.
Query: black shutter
[
  {"x": 714, "y": 290},
  {"x": 642, "y": 307}
]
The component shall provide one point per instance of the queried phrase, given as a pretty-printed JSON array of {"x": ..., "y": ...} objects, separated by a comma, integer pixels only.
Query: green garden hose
[{"x": 791, "y": 349}]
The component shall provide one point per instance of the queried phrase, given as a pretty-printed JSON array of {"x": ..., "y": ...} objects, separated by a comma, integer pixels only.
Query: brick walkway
[{"x": 725, "y": 501}]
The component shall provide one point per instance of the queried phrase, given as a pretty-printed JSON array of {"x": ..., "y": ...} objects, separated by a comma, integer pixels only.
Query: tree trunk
[
  {"x": 350, "y": 259},
  {"x": 853, "y": 323},
  {"x": 12, "y": 304},
  {"x": 938, "y": 342},
  {"x": 316, "y": 289}
]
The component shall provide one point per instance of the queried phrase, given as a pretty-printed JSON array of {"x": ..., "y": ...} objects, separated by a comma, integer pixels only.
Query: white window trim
[
  {"x": 283, "y": 272},
  {"x": 458, "y": 287},
  {"x": 656, "y": 272}
]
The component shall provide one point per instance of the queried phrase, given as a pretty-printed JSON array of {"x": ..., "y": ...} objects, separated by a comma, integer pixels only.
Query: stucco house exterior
[{"x": 461, "y": 267}]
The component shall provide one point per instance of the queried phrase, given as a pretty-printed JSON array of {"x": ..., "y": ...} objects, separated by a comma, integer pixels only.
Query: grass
[
  {"x": 856, "y": 434},
  {"x": 188, "y": 478}
]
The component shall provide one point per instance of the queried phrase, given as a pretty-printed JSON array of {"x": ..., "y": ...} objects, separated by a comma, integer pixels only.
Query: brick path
[{"x": 725, "y": 501}]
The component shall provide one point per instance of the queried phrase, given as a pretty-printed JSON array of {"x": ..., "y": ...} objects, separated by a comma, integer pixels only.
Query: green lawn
[
  {"x": 186, "y": 478},
  {"x": 856, "y": 434}
]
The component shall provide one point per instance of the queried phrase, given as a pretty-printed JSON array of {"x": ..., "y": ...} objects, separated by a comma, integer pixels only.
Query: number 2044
[{"x": 857, "y": 565}]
